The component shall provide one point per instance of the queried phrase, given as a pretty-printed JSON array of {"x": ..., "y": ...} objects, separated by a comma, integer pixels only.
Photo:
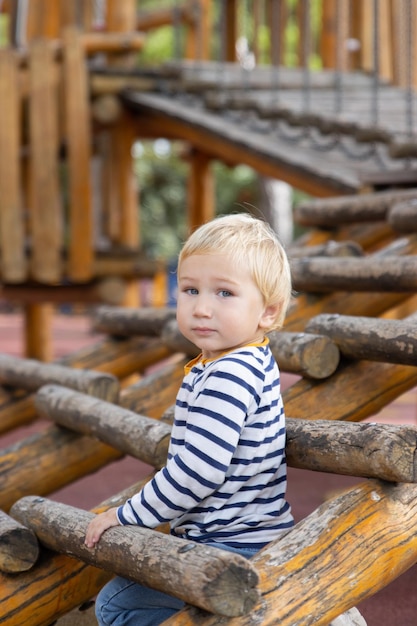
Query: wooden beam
[{"x": 201, "y": 192}]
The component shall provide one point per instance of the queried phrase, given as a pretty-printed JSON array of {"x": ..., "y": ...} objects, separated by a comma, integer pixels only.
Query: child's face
[{"x": 219, "y": 305}]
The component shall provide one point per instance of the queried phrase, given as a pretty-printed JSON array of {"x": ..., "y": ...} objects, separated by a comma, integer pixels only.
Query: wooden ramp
[
  {"x": 357, "y": 311},
  {"x": 332, "y": 135}
]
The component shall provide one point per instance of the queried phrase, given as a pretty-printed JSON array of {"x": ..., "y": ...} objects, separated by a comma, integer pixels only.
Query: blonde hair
[{"x": 251, "y": 242}]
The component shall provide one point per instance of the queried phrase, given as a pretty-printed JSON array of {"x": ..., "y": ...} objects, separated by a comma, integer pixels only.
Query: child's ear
[{"x": 269, "y": 316}]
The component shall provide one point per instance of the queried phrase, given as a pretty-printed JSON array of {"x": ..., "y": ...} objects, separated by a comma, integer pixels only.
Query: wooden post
[
  {"x": 215, "y": 580},
  {"x": 46, "y": 220},
  {"x": 38, "y": 331},
  {"x": 201, "y": 202},
  {"x": 78, "y": 139},
  {"x": 12, "y": 233}
]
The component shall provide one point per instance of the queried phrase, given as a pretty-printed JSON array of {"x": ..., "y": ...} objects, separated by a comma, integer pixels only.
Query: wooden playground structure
[{"x": 73, "y": 103}]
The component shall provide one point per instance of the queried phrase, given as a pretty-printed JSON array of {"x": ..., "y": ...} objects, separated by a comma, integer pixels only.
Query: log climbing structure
[{"x": 344, "y": 134}]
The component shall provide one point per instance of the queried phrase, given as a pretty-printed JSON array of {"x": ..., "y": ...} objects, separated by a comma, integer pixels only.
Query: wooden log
[
  {"x": 370, "y": 450},
  {"x": 121, "y": 358},
  {"x": 19, "y": 548},
  {"x": 300, "y": 353},
  {"x": 330, "y": 248},
  {"x": 403, "y": 216},
  {"x": 217, "y": 581},
  {"x": 387, "y": 340},
  {"x": 108, "y": 290},
  {"x": 73, "y": 454},
  {"x": 350, "y": 547},
  {"x": 142, "y": 437},
  {"x": 375, "y": 385},
  {"x": 124, "y": 321},
  {"x": 56, "y": 584},
  {"x": 331, "y": 212},
  {"x": 364, "y": 274},
  {"x": 30, "y": 374}
]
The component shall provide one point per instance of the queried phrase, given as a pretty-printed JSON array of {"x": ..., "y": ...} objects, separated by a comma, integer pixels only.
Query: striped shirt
[{"x": 225, "y": 477}]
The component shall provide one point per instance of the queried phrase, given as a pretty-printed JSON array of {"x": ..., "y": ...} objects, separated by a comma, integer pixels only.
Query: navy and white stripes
[{"x": 225, "y": 478}]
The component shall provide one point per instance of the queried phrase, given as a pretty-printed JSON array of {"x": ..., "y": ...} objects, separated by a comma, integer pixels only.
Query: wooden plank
[
  {"x": 13, "y": 268},
  {"x": 78, "y": 140},
  {"x": 46, "y": 220}
]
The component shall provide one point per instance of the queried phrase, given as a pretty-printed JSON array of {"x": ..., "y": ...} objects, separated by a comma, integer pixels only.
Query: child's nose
[{"x": 202, "y": 307}]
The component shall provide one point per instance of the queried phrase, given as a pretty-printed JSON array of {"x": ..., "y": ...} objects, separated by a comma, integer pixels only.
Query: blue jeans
[{"x": 124, "y": 603}]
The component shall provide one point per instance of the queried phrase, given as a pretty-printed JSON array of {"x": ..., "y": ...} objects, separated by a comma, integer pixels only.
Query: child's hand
[{"x": 98, "y": 525}]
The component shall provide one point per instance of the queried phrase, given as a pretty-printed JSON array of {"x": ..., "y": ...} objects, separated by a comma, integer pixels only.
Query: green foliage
[{"x": 162, "y": 176}]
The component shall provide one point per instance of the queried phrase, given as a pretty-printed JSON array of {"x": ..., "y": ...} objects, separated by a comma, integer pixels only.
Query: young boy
[{"x": 224, "y": 482}]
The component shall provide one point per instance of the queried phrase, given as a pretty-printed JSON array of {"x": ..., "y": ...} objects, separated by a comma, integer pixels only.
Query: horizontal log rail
[
  {"x": 215, "y": 580},
  {"x": 30, "y": 374},
  {"x": 355, "y": 274},
  {"x": 300, "y": 353},
  {"x": 375, "y": 339},
  {"x": 331, "y": 212},
  {"x": 142, "y": 437},
  {"x": 369, "y": 450},
  {"x": 56, "y": 584},
  {"x": 403, "y": 216},
  {"x": 19, "y": 548},
  {"x": 120, "y": 358}
]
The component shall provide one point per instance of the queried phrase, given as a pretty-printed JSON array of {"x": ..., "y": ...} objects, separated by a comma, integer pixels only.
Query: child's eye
[
  {"x": 192, "y": 291},
  {"x": 224, "y": 293}
]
